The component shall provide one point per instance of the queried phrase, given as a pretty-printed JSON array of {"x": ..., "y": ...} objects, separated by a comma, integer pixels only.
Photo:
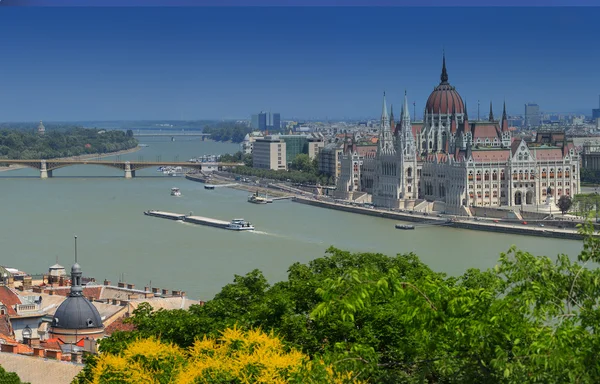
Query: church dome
[
  {"x": 444, "y": 99},
  {"x": 76, "y": 312}
]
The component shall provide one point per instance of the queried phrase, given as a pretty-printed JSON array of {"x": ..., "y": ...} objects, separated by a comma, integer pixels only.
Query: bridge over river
[{"x": 128, "y": 167}]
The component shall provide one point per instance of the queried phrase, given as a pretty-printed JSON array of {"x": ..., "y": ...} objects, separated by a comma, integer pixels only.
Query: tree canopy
[
  {"x": 394, "y": 320},
  {"x": 227, "y": 131},
  {"x": 15, "y": 144},
  {"x": 9, "y": 377}
]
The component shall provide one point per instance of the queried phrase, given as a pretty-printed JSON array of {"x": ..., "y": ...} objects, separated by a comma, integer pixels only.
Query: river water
[{"x": 40, "y": 217}]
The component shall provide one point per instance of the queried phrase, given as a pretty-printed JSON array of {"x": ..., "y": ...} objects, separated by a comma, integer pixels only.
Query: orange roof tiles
[{"x": 9, "y": 299}]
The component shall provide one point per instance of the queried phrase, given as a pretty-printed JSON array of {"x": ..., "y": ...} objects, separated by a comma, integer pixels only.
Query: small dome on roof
[{"x": 76, "y": 312}]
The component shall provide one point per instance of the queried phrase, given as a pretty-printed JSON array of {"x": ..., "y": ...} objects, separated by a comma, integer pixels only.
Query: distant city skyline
[{"x": 74, "y": 64}]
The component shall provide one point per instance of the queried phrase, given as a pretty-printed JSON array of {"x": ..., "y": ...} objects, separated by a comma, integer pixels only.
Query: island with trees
[
  {"x": 367, "y": 317},
  {"x": 227, "y": 131},
  {"x": 64, "y": 142}
]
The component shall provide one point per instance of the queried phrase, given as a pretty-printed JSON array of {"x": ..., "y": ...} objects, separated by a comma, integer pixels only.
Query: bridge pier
[
  {"x": 129, "y": 174},
  {"x": 44, "y": 172}
]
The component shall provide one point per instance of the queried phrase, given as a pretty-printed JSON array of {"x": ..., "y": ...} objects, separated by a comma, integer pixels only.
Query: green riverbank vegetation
[{"x": 67, "y": 142}]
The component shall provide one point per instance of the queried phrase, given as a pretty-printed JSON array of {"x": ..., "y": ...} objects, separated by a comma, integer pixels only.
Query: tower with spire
[
  {"x": 407, "y": 153},
  {"x": 506, "y": 135},
  {"x": 76, "y": 318},
  {"x": 386, "y": 179}
]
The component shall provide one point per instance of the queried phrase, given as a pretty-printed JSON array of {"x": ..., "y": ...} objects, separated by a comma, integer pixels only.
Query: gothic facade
[{"x": 459, "y": 163}]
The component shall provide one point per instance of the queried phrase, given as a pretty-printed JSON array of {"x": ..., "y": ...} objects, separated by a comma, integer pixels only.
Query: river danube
[{"x": 40, "y": 217}]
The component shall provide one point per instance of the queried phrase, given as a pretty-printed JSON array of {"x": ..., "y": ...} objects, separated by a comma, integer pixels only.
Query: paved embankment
[
  {"x": 482, "y": 225},
  {"x": 215, "y": 180}
]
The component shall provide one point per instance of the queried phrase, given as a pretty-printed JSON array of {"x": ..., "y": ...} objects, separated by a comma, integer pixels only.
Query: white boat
[
  {"x": 240, "y": 225},
  {"x": 175, "y": 192}
]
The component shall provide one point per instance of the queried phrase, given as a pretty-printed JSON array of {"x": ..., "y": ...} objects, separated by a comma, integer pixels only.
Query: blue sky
[{"x": 194, "y": 63}]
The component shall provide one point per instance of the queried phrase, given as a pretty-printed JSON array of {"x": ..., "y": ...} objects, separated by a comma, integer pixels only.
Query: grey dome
[{"x": 76, "y": 312}]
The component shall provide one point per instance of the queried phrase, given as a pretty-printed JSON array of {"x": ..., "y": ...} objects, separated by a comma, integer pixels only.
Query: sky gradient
[{"x": 68, "y": 64}]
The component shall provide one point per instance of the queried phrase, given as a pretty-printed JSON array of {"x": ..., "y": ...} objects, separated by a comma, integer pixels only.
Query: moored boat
[
  {"x": 405, "y": 226},
  {"x": 175, "y": 191},
  {"x": 257, "y": 199}
]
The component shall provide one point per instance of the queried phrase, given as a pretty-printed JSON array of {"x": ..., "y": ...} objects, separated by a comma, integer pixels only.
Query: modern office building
[
  {"x": 329, "y": 160},
  {"x": 262, "y": 121},
  {"x": 254, "y": 122},
  {"x": 532, "y": 115},
  {"x": 269, "y": 152},
  {"x": 596, "y": 111},
  {"x": 266, "y": 121}
]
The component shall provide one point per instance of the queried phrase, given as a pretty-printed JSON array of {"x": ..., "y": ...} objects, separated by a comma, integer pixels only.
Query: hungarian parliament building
[{"x": 455, "y": 163}]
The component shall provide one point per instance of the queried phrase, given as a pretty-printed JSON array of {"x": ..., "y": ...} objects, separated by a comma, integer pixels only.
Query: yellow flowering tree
[{"x": 236, "y": 357}]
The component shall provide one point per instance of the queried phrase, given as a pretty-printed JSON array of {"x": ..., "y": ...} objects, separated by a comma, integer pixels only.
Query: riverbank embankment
[
  {"x": 471, "y": 224},
  {"x": 14, "y": 167},
  {"x": 216, "y": 180}
]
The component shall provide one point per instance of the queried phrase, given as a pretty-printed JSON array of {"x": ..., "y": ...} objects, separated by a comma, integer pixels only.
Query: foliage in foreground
[
  {"x": 9, "y": 377},
  {"x": 234, "y": 357},
  {"x": 393, "y": 320}
]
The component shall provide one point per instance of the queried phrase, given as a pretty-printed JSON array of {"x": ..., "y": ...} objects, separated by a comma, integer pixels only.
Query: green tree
[
  {"x": 9, "y": 377},
  {"x": 564, "y": 203}
]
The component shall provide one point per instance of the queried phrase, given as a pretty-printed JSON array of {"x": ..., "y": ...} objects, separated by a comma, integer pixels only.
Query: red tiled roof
[
  {"x": 485, "y": 130},
  {"x": 547, "y": 153},
  {"x": 515, "y": 145},
  {"x": 118, "y": 325},
  {"x": 416, "y": 128},
  {"x": 493, "y": 155},
  {"x": 88, "y": 292},
  {"x": 9, "y": 299},
  {"x": 5, "y": 328}
]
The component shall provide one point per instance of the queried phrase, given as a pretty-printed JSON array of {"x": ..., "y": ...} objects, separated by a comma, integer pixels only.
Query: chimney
[
  {"x": 106, "y": 282},
  {"x": 165, "y": 292},
  {"x": 32, "y": 342},
  {"x": 130, "y": 286},
  {"x": 121, "y": 285},
  {"x": 54, "y": 354},
  {"x": 155, "y": 290},
  {"x": 9, "y": 348},
  {"x": 77, "y": 357},
  {"x": 39, "y": 352},
  {"x": 146, "y": 289},
  {"x": 176, "y": 293}
]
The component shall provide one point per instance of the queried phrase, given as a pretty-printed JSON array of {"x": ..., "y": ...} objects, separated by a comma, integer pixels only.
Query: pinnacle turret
[
  {"x": 491, "y": 113},
  {"x": 444, "y": 76}
]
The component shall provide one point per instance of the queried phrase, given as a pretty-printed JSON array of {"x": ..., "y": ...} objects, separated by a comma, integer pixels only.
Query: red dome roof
[{"x": 444, "y": 99}]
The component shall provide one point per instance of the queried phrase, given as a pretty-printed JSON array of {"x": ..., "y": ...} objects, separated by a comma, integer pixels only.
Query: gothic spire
[
  {"x": 504, "y": 111},
  {"x": 384, "y": 114},
  {"x": 491, "y": 112},
  {"x": 466, "y": 114},
  {"x": 405, "y": 113},
  {"x": 391, "y": 112},
  {"x": 444, "y": 76}
]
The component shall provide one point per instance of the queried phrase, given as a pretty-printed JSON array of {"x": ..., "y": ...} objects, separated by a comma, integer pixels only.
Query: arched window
[{"x": 494, "y": 175}]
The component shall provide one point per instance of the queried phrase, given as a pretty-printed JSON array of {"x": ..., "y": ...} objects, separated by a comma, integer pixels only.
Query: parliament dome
[{"x": 444, "y": 99}]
